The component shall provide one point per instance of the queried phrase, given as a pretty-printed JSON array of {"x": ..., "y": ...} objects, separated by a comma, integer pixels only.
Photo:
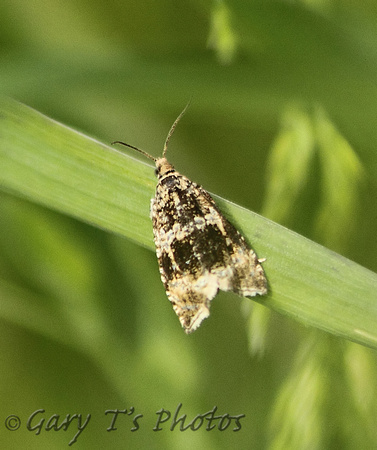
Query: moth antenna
[
  {"x": 137, "y": 149},
  {"x": 171, "y": 131}
]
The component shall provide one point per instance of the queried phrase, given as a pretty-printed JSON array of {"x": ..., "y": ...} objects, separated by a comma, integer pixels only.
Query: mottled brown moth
[{"x": 199, "y": 251}]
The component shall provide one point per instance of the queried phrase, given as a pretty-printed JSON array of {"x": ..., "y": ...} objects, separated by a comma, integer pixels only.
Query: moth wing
[{"x": 199, "y": 251}]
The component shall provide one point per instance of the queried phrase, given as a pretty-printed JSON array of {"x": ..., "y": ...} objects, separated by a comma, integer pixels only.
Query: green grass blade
[{"x": 62, "y": 169}]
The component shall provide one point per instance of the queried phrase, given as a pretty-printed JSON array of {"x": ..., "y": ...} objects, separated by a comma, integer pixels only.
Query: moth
[{"x": 199, "y": 251}]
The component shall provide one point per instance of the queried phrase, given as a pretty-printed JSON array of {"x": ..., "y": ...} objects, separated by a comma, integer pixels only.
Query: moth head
[{"x": 162, "y": 167}]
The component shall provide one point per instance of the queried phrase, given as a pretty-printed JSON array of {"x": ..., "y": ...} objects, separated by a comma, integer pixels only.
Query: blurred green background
[{"x": 282, "y": 121}]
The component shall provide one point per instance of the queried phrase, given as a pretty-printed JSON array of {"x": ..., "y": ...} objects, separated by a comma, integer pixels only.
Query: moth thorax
[{"x": 163, "y": 166}]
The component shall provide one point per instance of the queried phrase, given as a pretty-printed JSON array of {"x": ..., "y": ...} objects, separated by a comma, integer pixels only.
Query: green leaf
[
  {"x": 289, "y": 163},
  {"x": 222, "y": 37},
  {"x": 55, "y": 166},
  {"x": 342, "y": 177}
]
